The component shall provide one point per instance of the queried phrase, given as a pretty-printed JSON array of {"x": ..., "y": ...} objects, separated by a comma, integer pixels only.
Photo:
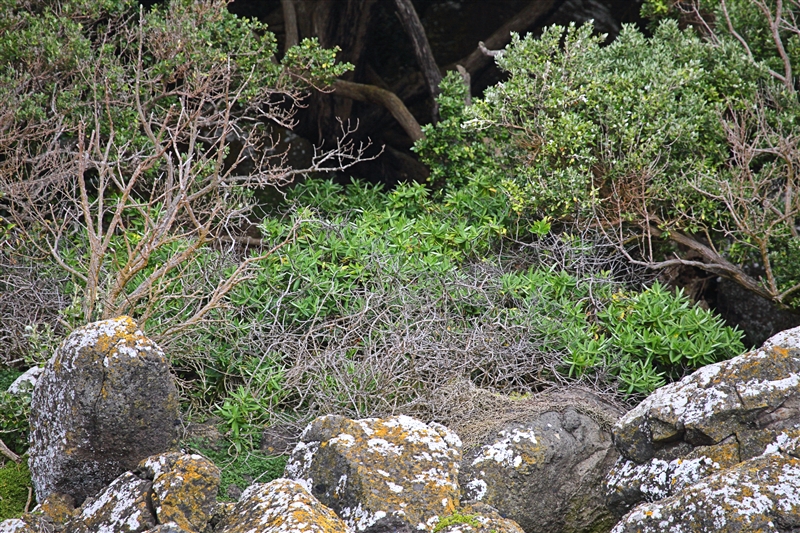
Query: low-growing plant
[
  {"x": 16, "y": 489},
  {"x": 456, "y": 519},
  {"x": 240, "y": 469}
]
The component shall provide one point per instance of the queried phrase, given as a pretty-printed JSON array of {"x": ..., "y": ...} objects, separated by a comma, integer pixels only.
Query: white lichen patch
[
  {"x": 343, "y": 439},
  {"x": 383, "y": 447},
  {"x": 12, "y": 525},
  {"x": 783, "y": 443},
  {"x": 118, "y": 507},
  {"x": 503, "y": 450},
  {"x": 754, "y": 387},
  {"x": 658, "y": 479},
  {"x": 787, "y": 339},
  {"x": 301, "y": 459},
  {"x": 436, "y": 477},
  {"x": 476, "y": 489},
  {"x": 359, "y": 518},
  {"x": 394, "y": 487}
]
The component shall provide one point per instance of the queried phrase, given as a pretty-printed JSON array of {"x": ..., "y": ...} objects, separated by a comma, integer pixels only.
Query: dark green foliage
[{"x": 14, "y": 411}]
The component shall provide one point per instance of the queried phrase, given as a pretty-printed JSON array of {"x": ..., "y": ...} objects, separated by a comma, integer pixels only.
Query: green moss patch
[
  {"x": 15, "y": 482},
  {"x": 457, "y": 518}
]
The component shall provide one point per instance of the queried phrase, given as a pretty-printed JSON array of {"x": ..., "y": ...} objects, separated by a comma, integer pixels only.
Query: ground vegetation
[{"x": 138, "y": 144}]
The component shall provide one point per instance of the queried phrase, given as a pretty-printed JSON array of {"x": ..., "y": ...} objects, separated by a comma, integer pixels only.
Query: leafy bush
[
  {"x": 673, "y": 144},
  {"x": 383, "y": 299},
  {"x": 14, "y": 413},
  {"x": 149, "y": 154}
]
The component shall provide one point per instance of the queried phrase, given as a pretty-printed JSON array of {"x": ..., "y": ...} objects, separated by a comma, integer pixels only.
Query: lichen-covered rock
[
  {"x": 545, "y": 473},
  {"x": 761, "y": 494},
  {"x": 28, "y": 523},
  {"x": 477, "y": 518},
  {"x": 27, "y": 381},
  {"x": 281, "y": 506},
  {"x": 709, "y": 421},
  {"x": 15, "y": 525},
  {"x": 105, "y": 401},
  {"x": 760, "y": 389},
  {"x": 629, "y": 483},
  {"x": 369, "y": 469},
  {"x": 57, "y": 507},
  {"x": 169, "y": 527},
  {"x": 122, "y": 507},
  {"x": 184, "y": 488}
]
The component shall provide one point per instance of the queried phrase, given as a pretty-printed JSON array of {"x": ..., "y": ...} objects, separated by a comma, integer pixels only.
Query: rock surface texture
[
  {"x": 545, "y": 473},
  {"x": 715, "y": 451},
  {"x": 373, "y": 470},
  {"x": 281, "y": 506},
  {"x": 105, "y": 401},
  {"x": 184, "y": 490}
]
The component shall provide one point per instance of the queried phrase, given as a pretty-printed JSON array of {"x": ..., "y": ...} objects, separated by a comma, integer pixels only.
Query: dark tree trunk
[{"x": 342, "y": 23}]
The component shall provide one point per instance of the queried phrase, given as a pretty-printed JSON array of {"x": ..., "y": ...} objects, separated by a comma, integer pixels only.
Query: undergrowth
[
  {"x": 15, "y": 486},
  {"x": 239, "y": 469}
]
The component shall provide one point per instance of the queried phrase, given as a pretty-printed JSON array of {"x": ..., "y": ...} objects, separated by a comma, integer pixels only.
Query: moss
[
  {"x": 457, "y": 518},
  {"x": 241, "y": 469},
  {"x": 15, "y": 482}
]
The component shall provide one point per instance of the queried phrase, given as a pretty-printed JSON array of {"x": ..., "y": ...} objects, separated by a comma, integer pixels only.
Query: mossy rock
[{"x": 15, "y": 483}]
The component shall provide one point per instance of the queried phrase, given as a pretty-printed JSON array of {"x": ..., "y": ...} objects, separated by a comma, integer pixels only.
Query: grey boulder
[
  {"x": 105, "y": 401},
  {"x": 546, "y": 472}
]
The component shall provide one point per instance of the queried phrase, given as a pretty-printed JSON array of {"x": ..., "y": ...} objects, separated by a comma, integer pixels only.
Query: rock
[
  {"x": 390, "y": 524},
  {"x": 787, "y": 339},
  {"x": 15, "y": 525},
  {"x": 279, "y": 439},
  {"x": 705, "y": 425},
  {"x": 545, "y": 473},
  {"x": 105, "y": 401},
  {"x": 760, "y": 494},
  {"x": 184, "y": 488},
  {"x": 27, "y": 381},
  {"x": 28, "y": 523},
  {"x": 757, "y": 390},
  {"x": 477, "y": 518},
  {"x": 369, "y": 469},
  {"x": 281, "y": 506},
  {"x": 57, "y": 508},
  {"x": 757, "y": 317},
  {"x": 169, "y": 527},
  {"x": 122, "y": 507}
]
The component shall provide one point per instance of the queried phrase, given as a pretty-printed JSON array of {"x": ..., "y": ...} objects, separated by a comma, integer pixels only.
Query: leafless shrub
[{"x": 124, "y": 190}]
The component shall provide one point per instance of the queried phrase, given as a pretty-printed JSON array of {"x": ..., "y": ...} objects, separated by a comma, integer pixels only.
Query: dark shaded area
[
  {"x": 758, "y": 317},
  {"x": 372, "y": 38}
]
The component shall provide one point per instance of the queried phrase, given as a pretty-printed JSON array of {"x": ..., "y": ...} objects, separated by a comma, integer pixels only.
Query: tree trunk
[{"x": 422, "y": 49}]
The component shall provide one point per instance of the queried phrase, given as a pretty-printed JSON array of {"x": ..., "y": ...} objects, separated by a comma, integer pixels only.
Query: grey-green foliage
[
  {"x": 652, "y": 138},
  {"x": 628, "y": 123}
]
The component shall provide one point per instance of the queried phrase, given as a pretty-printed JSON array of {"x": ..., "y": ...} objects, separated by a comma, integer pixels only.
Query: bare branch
[{"x": 389, "y": 100}]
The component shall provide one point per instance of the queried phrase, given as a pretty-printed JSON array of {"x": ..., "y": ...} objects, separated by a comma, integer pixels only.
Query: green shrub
[
  {"x": 14, "y": 428},
  {"x": 670, "y": 142}
]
